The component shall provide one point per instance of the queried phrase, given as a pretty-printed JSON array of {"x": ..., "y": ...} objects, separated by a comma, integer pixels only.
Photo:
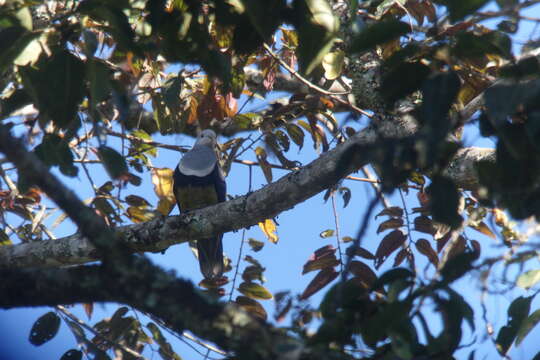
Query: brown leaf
[
  {"x": 442, "y": 241},
  {"x": 388, "y": 245},
  {"x": 425, "y": 248},
  {"x": 477, "y": 249},
  {"x": 484, "y": 229},
  {"x": 251, "y": 306},
  {"x": 254, "y": 291},
  {"x": 400, "y": 256},
  {"x": 458, "y": 247},
  {"x": 363, "y": 273},
  {"x": 255, "y": 244},
  {"x": 321, "y": 262},
  {"x": 392, "y": 211},
  {"x": 323, "y": 278},
  {"x": 88, "y": 309},
  {"x": 393, "y": 223},
  {"x": 283, "y": 304},
  {"x": 322, "y": 251},
  {"x": 360, "y": 251},
  {"x": 252, "y": 273},
  {"x": 424, "y": 224}
]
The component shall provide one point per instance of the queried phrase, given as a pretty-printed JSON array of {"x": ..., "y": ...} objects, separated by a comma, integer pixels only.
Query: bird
[{"x": 198, "y": 182}]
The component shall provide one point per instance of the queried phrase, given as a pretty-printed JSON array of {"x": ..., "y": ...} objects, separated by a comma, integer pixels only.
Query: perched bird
[{"x": 199, "y": 182}]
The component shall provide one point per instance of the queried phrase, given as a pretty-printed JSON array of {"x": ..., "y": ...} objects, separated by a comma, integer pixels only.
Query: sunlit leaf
[
  {"x": 263, "y": 163},
  {"x": 269, "y": 228},
  {"x": 321, "y": 260},
  {"x": 254, "y": 291},
  {"x": 333, "y": 64},
  {"x": 327, "y": 233},
  {"x": 162, "y": 178},
  {"x": 528, "y": 279}
]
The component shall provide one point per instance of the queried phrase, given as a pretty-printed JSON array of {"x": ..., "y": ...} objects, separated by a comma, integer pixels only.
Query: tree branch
[{"x": 244, "y": 211}]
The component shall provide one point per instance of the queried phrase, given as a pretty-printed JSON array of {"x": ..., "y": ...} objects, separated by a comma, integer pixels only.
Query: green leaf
[
  {"x": 527, "y": 326},
  {"x": 98, "y": 75},
  {"x": 44, "y": 329},
  {"x": 72, "y": 355},
  {"x": 55, "y": 151},
  {"x": 59, "y": 77},
  {"x": 114, "y": 163},
  {"x": 470, "y": 46},
  {"x": 528, "y": 279},
  {"x": 379, "y": 33},
  {"x": 517, "y": 314},
  {"x": 317, "y": 28}
]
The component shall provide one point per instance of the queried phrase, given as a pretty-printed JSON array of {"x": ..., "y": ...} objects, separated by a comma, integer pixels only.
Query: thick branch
[{"x": 294, "y": 188}]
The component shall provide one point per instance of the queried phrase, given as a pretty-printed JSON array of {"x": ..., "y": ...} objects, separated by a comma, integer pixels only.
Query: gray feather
[{"x": 199, "y": 161}]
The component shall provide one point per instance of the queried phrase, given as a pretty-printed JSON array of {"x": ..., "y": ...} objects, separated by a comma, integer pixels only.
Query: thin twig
[
  {"x": 336, "y": 222},
  {"x": 333, "y": 95}
]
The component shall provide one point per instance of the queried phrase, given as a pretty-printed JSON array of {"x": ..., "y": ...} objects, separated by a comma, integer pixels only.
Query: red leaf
[
  {"x": 360, "y": 251},
  {"x": 393, "y": 211},
  {"x": 388, "y": 245},
  {"x": 323, "y": 278}
]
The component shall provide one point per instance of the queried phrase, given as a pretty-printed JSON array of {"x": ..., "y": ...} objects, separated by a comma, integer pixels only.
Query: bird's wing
[{"x": 199, "y": 161}]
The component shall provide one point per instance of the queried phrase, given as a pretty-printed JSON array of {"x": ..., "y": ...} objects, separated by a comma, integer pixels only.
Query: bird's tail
[{"x": 211, "y": 257}]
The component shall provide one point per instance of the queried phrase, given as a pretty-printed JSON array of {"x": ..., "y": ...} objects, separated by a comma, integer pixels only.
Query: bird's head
[{"x": 206, "y": 137}]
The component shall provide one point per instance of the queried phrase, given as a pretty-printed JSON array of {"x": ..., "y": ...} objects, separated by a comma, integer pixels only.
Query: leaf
[
  {"x": 518, "y": 312},
  {"x": 64, "y": 73},
  {"x": 4, "y": 238},
  {"x": 316, "y": 27},
  {"x": 393, "y": 211},
  {"x": 88, "y": 309},
  {"x": 114, "y": 163},
  {"x": 378, "y": 33},
  {"x": 403, "y": 79},
  {"x": 323, "y": 278},
  {"x": 360, "y": 251},
  {"x": 346, "y": 194},
  {"x": 55, "y": 151},
  {"x": 283, "y": 304},
  {"x": 296, "y": 134},
  {"x": 14, "y": 41},
  {"x": 162, "y": 178},
  {"x": 72, "y": 355},
  {"x": 253, "y": 272},
  {"x": 393, "y": 223},
  {"x": 263, "y": 163},
  {"x": 254, "y": 291},
  {"x": 363, "y": 272},
  {"x": 425, "y": 248},
  {"x": 326, "y": 233},
  {"x": 140, "y": 214},
  {"x": 400, "y": 256},
  {"x": 484, "y": 229},
  {"x": 321, "y": 260},
  {"x": 333, "y": 64},
  {"x": 528, "y": 279},
  {"x": 527, "y": 325},
  {"x": 44, "y": 329},
  {"x": 255, "y": 245},
  {"x": 165, "y": 349},
  {"x": 388, "y": 245},
  {"x": 251, "y": 306},
  {"x": 269, "y": 229}
]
